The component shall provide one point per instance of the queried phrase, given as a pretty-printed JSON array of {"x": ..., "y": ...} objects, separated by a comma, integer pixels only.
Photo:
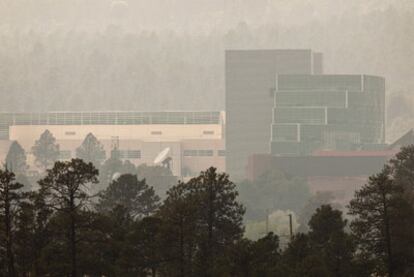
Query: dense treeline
[
  {"x": 61, "y": 229},
  {"x": 46, "y": 152}
]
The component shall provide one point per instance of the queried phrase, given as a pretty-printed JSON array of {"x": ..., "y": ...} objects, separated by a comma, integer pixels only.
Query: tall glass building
[
  {"x": 250, "y": 77},
  {"x": 327, "y": 112}
]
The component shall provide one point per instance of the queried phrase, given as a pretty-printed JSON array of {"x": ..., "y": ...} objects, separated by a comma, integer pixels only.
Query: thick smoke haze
[
  {"x": 169, "y": 55},
  {"x": 206, "y": 138}
]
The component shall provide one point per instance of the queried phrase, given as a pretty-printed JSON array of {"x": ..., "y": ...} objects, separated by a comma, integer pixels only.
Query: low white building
[{"x": 195, "y": 139}]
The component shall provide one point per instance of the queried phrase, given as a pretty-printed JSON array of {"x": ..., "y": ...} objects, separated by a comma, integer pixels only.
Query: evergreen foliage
[
  {"x": 46, "y": 150},
  {"x": 65, "y": 189},
  {"x": 384, "y": 218},
  {"x": 138, "y": 199},
  {"x": 197, "y": 230},
  {"x": 16, "y": 159},
  {"x": 10, "y": 198},
  {"x": 91, "y": 150}
]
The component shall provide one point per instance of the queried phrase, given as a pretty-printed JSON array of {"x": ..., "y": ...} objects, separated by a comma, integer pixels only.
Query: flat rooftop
[{"x": 108, "y": 118}]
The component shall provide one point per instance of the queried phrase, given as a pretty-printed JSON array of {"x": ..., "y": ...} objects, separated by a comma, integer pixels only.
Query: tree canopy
[
  {"x": 65, "y": 188},
  {"x": 46, "y": 150},
  {"x": 16, "y": 159},
  {"x": 9, "y": 201},
  {"x": 138, "y": 199},
  {"x": 91, "y": 150},
  {"x": 384, "y": 218},
  {"x": 273, "y": 190},
  {"x": 198, "y": 229}
]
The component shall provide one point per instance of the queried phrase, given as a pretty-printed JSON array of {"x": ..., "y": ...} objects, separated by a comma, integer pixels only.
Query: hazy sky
[
  {"x": 183, "y": 14},
  {"x": 169, "y": 54}
]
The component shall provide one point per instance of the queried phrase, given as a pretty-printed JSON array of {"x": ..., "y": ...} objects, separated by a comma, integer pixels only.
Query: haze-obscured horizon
[{"x": 169, "y": 55}]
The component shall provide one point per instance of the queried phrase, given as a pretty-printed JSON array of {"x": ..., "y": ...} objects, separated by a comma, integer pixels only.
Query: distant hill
[{"x": 169, "y": 54}]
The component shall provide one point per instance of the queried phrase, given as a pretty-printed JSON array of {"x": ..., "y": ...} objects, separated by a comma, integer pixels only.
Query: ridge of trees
[{"x": 197, "y": 230}]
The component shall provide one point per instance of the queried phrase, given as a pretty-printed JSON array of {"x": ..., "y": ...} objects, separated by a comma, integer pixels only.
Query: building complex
[
  {"x": 281, "y": 111},
  {"x": 284, "y": 113},
  {"x": 249, "y": 84},
  {"x": 195, "y": 139}
]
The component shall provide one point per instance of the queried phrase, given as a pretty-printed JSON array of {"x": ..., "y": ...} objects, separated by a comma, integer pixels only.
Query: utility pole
[{"x": 290, "y": 227}]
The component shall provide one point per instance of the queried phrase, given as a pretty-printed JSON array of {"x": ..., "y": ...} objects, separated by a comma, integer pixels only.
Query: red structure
[{"x": 339, "y": 172}]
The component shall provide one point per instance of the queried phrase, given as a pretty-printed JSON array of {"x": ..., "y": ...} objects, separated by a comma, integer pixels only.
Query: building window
[
  {"x": 300, "y": 115},
  {"x": 70, "y": 133},
  {"x": 190, "y": 153},
  {"x": 208, "y": 132},
  {"x": 156, "y": 133},
  {"x": 221, "y": 153},
  {"x": 205, "y": 153},
  {"x": 286, "y": 132},
  {"x": 198, "y": 153},
  {"x": 130, "y": 154}
]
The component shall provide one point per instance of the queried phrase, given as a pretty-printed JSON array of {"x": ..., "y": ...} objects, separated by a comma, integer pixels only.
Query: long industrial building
[{"x": 195, "y": 139}]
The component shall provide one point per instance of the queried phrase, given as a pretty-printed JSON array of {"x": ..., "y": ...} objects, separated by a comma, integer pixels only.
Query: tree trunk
[
  {"x": 9, "y": 243},
  {"x": 182, "y": 263},
  {"x": 72, "y": 237},
  {"x": 210, "y": 220},
  {"x": 388, "y": 237}
]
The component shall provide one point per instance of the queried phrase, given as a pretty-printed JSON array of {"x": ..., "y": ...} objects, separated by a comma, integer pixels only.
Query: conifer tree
[
  {"x": 91, "y": 150},
  {"x": 379, "y": 209},
  {"x": 16, "y": 159},
  {"x": 9, "y": 199},
  {"x": 179, "y": 235},
  {"x": 134, "y": 195},
  {"x": 65, "y": 186},
  {"x": 46, "y": 150},
  {"x": 207, "y": 206},
  {"x": 220, "y": 216},
  {"x": 33, "y": 234},
  {"x": 329, "y": 239}
]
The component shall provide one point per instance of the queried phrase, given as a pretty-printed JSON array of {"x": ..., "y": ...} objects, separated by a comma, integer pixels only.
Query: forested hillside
[{"x": 169, "y": 55}]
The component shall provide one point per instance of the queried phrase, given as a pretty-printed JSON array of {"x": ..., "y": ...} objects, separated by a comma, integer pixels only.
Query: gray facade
[
  {"x": 327, "y": 112},
  {"x": 250, "y": 77}
]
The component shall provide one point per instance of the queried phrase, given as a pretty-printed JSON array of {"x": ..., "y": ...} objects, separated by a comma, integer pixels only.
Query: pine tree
[
  {"x": 16, "y": 162},
  {"x": 9, "y": 199},
  {"x": 142, "y": 252},
  {"x": 46, "y": 150},
  {"x": 91, "y": 150},
  {"x": 159, "y": 177},
  {"x": 32, "y": 233},
  {"x": 380, "y": 209},
  {"x": 329, "y": 239},
  {"x": 384, "y": 210},
  {"x": 16, "y": 159},
  {"x": 220, "y": 216},
  {"x": 403, "y": 171},
  {"x": 65, "y": 186},
  {"x": 134, "y": 195},
  {"x": 266, "y": 255},
  {"x": 206, "y": 219}
]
